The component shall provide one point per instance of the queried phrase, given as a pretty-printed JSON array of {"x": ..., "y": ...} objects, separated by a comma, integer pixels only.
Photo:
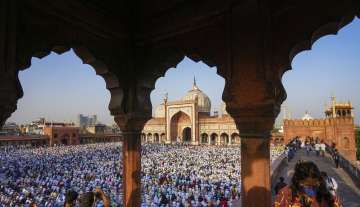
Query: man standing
[
  {"x": 317, "y": 148},
  {"x": 308, "y": 148},
  {"x": 322, "y": 148},
  {"x": 336, "y": 158}
]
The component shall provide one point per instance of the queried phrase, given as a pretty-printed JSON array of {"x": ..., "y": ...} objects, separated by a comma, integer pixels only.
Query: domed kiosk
[{"x": 189, "y": 121}]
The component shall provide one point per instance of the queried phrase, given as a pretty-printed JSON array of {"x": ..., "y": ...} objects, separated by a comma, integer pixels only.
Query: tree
[{"x": 357, "y": 139}]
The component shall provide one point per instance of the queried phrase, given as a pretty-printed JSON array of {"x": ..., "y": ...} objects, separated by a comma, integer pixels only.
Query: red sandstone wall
[
  {"x": 56, "y": 134},
  {"x": 338, "y": 130},
  {"x": 341, "y": 132}
]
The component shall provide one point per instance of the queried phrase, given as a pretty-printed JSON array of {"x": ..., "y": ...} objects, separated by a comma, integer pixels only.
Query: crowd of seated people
[{"x": 172, "y": 175}]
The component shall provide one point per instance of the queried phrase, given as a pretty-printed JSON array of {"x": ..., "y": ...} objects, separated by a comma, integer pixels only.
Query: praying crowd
[{"x": 172, "y": 175}]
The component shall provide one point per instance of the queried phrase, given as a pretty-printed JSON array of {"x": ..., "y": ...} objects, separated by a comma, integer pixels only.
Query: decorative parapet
[{"x": 319, "y": 122}]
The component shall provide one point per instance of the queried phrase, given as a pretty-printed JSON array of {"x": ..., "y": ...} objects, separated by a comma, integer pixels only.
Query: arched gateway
[
  {"x": 180, "y": 129},
  {"x": 186, "y": 135}
]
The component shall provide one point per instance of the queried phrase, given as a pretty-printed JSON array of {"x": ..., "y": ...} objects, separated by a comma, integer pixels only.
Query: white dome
[
  {"x": 307, "y": 116},
  {"x": 160, "y": 111},
  {"x": 204, "y": 104}
]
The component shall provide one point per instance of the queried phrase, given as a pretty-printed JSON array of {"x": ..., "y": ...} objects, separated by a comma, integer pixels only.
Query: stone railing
[
  {"x": 276, "y": 167},
  {"x": 350, "y": 168}
]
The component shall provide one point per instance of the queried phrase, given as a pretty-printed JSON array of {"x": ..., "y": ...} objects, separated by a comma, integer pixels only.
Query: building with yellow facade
[{"x": 189, "y": 120}]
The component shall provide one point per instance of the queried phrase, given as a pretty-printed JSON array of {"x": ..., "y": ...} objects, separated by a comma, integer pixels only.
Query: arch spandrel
[
  {"x": 111, "y": 80},
  {"x": 307, "y": 29},
  {"x": 174, "y": 111}
]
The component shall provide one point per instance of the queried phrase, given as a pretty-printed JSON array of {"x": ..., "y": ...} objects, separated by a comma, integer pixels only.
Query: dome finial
[{"x": 194, "y": 84}]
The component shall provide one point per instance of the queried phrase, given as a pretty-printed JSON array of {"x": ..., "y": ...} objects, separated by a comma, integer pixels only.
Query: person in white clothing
[
  {"x": 317, "y": 149},
  {"x": 322, "y": 148}
]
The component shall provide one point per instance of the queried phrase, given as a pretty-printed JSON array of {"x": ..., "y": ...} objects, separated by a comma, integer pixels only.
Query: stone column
[
  {"x": 131, "y": 133},
  {"x": 131, "y": 116},
  {"x": 132, "y": 168},
  {"x": 254, "y": 117},
  {"x": 255, "y": 160},
  {"x": 253, "y": 100},
  {"x": 255, "y": 122},
  {"x": 253, "y": 94}
]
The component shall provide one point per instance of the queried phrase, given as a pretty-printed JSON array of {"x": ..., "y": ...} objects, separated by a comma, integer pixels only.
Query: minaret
[
  {"x": 333, "y": 102},
  {"x": 326, "y": 107},
  {"x": 165, "y": 97},
  {"x": 351, "y": 111},
  {"x": 167, "y": 136}
]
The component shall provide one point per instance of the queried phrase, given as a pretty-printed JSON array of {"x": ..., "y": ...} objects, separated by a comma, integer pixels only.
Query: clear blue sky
[{"x": 58, "y": 87}]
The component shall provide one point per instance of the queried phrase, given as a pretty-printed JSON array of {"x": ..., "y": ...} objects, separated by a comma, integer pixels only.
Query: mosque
[{"x": 189, "y": 120}]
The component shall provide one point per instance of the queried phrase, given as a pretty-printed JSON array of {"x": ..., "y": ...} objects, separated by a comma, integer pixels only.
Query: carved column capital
[
  {"x": 131, "y": 122},
  {"x": 131, "y": 106},
  {"x": 255, "y": 121},
  {"x": 255, "y": 108}
]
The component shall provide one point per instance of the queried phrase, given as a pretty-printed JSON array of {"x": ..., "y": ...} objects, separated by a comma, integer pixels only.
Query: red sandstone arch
[
  {"x": 318, "y": 30},
  {"x": 112, "y": 83},
  {"x": 267, "y": 33},
  {"x": 173, "y": 56}
]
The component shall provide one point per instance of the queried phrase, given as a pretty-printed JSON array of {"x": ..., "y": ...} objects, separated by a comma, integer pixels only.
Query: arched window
[
  {"x": 163, "y": 137},
  {"x": 204, "y": 138},
  {"x": 213, "y": 139},
  {"x": 149, "y": 137},
  {"x": 156, "y": 138},
  {"x": 224, "y": 139},
  {"x": 235, "y": 138}
]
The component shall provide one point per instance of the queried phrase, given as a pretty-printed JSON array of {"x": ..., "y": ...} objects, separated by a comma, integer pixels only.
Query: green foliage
[{"x": 357, "y": 139}]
